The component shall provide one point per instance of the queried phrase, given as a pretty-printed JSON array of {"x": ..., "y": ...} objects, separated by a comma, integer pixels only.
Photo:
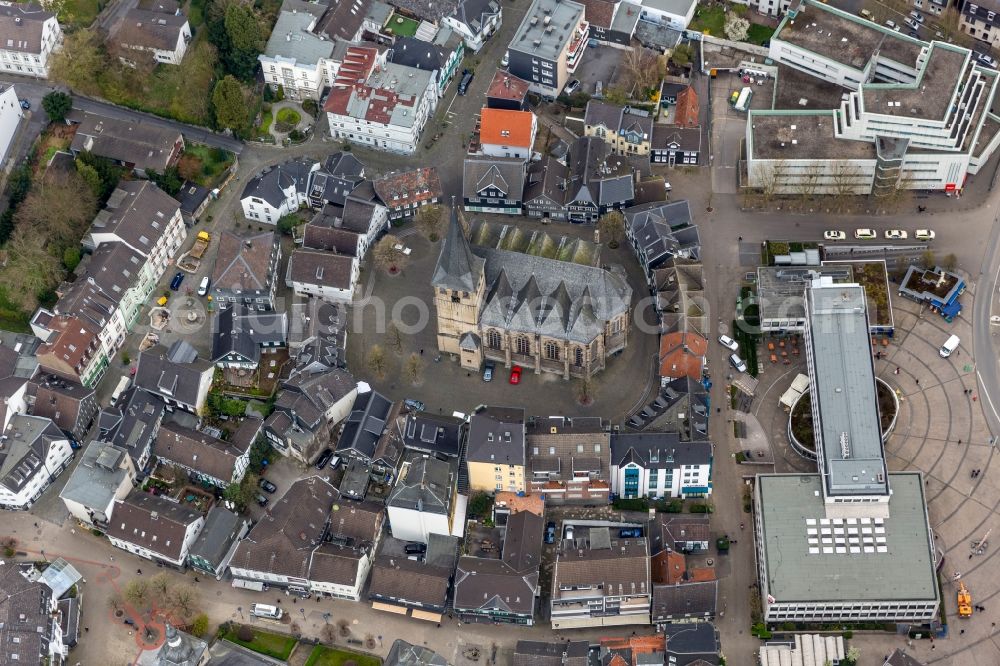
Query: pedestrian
[
  {"x": 959, "y": 441},
  {"x": 933, "y": 647},
  {"x": 962, "y": 632},
  {"x": 86, "y": 630},
  {"x": 917, "y": 381},
  {"x": 741, "y": 239},
  {"x": 993, "y": 624},
  {"x": 421, "y": 352},
  {"x": 897, "y": 369},
  {"x": 36, "y": 525},
  {"x": 138, "y": 571}
]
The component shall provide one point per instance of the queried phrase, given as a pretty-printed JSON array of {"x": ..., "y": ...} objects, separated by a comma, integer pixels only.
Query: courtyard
[{"x": 613, "y": 392}]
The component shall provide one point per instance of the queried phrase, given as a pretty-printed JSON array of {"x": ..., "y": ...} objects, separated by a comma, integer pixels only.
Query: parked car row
[{"x": 871, "y": 234}]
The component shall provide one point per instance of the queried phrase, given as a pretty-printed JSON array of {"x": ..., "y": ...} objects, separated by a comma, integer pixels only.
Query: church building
[{"x": 542, "y": 314}]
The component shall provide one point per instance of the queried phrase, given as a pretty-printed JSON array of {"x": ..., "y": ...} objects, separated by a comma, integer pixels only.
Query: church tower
[{"x": 459, "y": 284}]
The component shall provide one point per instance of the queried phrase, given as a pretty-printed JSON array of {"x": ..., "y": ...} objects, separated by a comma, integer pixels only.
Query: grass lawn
[
  {"x": 289, "y": 116},
  {"x": 324, "y": 656},
  {"x": 214, "y": 162},
  {"x": 11, "y": 316},
  {"x": 272, "y": 645},
  {"x": 265, "y": 122},
  {"x": 80, "y": 13},
  {"x": 403, "y": 26},
  {"x": 758, "y": 34},
  {"x": 709, "y": 19}
]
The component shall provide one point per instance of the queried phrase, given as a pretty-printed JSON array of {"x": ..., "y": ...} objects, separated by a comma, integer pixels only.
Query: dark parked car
[
  {"x": 261, "y": 500},
  {"x": 550, "y": 532},
  {"x": 25, "y": 104},
  {"x": 414, "y": 404},
  {"x": 630, "y": 533},
  {"x": 415, "y": 549},
  {"x": 175, "y": 284},
  {"x": 268, "y": 487},
  {"x": 463, "y": 85},
  {"x": 324, "y": 458}
]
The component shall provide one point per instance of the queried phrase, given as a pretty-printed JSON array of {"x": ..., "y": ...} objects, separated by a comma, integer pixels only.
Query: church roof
[
  {"x": 556, "y": 298},
  {"x": 457, "y": 267}
]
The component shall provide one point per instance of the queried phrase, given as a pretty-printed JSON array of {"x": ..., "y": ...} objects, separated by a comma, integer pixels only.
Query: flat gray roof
[
  {"x": 550, "y": 23},
  {"x": 842, "y": 375},
  {"x": 797, "y": 91},
  {"x": 787, "y": 135},
  {"x": 930, "y": 98},
  {"x": 845, "y": 38},
  {"x": 810, "y": 558},
  {"x": 781, "y": 290},
  {"x": 291, "y": 38}
]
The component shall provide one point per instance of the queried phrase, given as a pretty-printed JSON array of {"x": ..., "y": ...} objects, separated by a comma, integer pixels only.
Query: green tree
[
  {"x": 229, "y": 102},
  {"x": 243, "y": 493},
  {"x": 261, "y": 451},
  {"x": 169, "y": 181},
  {"x": 81, "y": 62},
  {"x": 71, "y": 258},
  {"x": 288, "y": 223},
  {"x": 57, "y": 104},
  {"x": 109, "y": 172},
  {"x": 481, "y": 505},
  {"x": 199, "y": 627},
  {"x": 682, "y": 55},
  {"x": 244, "y": 41},
  {"x": 90, "y": 176}
]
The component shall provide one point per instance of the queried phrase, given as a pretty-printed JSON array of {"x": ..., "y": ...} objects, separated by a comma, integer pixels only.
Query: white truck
[{"x": 255, "y": 585}]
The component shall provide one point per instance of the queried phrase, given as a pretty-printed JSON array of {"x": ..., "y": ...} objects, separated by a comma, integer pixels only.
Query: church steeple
[{"x": 457, "y": 267}]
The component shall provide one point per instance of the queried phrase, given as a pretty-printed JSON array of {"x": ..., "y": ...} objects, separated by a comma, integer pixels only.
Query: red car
[{"x": 515, "y": 375}]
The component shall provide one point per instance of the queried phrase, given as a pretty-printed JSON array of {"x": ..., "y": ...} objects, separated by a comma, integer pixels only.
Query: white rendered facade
[
  {"x": 296, "y": 58},
  {"x": 58, "y": 454},
  {"x": 676, "y": 14},
  {"x": 190, "y": 535},
  {"x": 657, "y": 482},
  {"x": 412, "y": 525},
  {"x": 29, "y": 57},
  {"x": 10, "y": 119}
]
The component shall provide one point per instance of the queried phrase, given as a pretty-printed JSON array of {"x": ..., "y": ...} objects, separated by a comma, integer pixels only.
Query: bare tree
[
  {"x": 845, "y": 179},
  {"x": 765, "y": 178},
  {"x": 429, "y": 220},
  {"x": 183, "y": 602},
  {"x": 160, "y": 585},
  {"x": 414, "y": 368},
  {"x": 394, "y": 338},
  {"x": 644, "y": 69},
  {"x": 137, "y": 592},
  {"x": 612, "y": 228},
  {"x": 376, "y": 361},
  {"x": 388, "y": 255}
]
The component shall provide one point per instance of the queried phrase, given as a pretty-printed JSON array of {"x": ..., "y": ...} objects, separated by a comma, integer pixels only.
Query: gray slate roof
[
  {"x": 156, "y": 373},
  {"x": 25, "y": 449},
  {"x": 135, "y": 428},
  {"x": 426, "y": 487},
  {"x": 152, "y": 522},
  {"x": 457, "y": 267},
  {"x": 666, "y": 446},
  {"x": 414, "y": 52},
  {"x": 406, "y": 654},
  {"x": 685, "y": 600},
  {"x": 543, "y": 296},
  {"x": 25, "y": 620},
  {"x": 270, "y": 184},
  {"x": 496, "y": 434},
  {"x": 475, "y": 13},
  {"x": 505, "y": 174},
  {"x": 365, "y": 425},
  {"x": 21, "y": 27},
  {"x": 221, "y": 529},
  {"x": 653, "y": 225},
  {"x": 687, "y": 643},
  {"x": 97, "y": 476}
]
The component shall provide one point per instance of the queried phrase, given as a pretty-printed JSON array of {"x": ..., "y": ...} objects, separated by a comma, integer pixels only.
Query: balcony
[{"x": 577, "y": 45}]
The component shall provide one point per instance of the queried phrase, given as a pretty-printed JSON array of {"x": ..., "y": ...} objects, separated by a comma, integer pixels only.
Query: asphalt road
[
  {"x": 35, "y": 90},
  {"x": 984, "y": 333}
]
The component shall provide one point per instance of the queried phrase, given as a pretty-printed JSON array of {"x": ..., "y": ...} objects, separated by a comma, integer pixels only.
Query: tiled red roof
[
  {"x": 507, "y": 86},
  {"x": 352, "y": 84},
  {"x": 399, "y": 189},
  {"x": 687, "y": 108}
]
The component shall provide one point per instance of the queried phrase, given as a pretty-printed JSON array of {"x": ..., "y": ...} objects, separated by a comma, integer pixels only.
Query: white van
[
  {"x": 269, "y": 612},
  {"x": 123, "y": 385},
  {"x": 203, "y": 287},
  {"x": 950, "y": 345}
]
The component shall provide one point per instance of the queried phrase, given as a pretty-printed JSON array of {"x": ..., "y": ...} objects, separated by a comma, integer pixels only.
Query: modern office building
[
  {"x": 846, "y": 422},
  {"x": 548, "y": 45},
  {"x": 816, "y": 568},
  {"x": 876, "y": 111}
]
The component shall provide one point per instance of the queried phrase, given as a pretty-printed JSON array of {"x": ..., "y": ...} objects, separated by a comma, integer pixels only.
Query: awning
[
  {"x": 458, "y": 519},
  {"x": 389, "y": 608},
  {"x": 424, "y": 615}
]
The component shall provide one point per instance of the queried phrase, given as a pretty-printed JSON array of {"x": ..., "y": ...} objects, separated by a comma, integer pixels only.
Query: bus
[{"x": 743, "y": 103}]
